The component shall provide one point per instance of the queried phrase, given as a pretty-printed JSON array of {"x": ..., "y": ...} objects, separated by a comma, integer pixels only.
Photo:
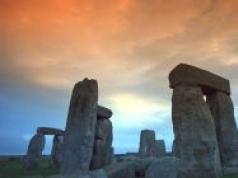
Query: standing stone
[
  {"x": 195, "y": 136},
  {"x": 56, "y": 152},
  {"x": 223, "y": 112},
  {"x": 34, "y": 151},
  {"x": 235, "y": 144},
  {"x": 80, "y": 127},
  {"x": 160, "y": 150},
  {"x": 102, "y": 145},
  {"x": 147, "y": 143},
  {"x": 166, "y": 167}
]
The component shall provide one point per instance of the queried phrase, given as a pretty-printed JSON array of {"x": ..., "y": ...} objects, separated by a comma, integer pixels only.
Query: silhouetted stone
[
  {"x": 49, "y": 131},
  {"x": 195, "y": 136},
  {"x": 140, "y": 164},
  {"x": 166, "y": 167},
  {"x": 160, "y": 150},
  {"x": 223, "y": 112},
  {"x": 56, "y": 152},
  {"x": 235, "y": 144},
  {"x": 120, "y": 170},
  {"x": 80, "y": 128},
  {"x": 147, "y": 143},
  {"x": 187, "y": 74},
  {"x": 103, "y": 113},
  {"x": 102, "y": 144},
  {"x": 99, "y": 173},
  {"x": 34, "y": 151}
]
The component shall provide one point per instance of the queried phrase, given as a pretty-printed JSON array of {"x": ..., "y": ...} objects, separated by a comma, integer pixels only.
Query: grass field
[{"x": 13, "y": 168}]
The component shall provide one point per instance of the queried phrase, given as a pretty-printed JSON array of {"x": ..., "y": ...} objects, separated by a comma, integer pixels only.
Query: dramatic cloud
[{"x": 129, "y": 46}]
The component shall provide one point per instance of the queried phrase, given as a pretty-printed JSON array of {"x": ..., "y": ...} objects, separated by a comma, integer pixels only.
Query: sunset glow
[{"x": 129, "y": 46}]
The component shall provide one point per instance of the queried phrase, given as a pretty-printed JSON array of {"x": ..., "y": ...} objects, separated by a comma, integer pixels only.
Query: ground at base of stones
[{"x": 13, "y": 168}]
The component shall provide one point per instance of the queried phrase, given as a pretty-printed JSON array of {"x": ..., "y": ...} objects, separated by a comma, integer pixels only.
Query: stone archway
[
  {"x": 37, "y": 144},
  {"x": 204, "y": 130}
]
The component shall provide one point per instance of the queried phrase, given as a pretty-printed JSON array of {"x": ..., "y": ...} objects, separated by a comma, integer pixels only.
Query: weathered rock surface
[
  {"x": 160, "y": 150},
  {"x": 147, "y": 143},
  {"x": 235, "y": 144},
  {"x": 103, "y": 113},
  {"x": 80, "y": 127},
  {"x": 140, "y": 164},
  {"x": 100, "y": 173},
  {"x": 56, "y": 152},
  {"x": 184, "y": 73},
  {"x": 195, "y": 136},
  {"x": 102, "y": 152},
  {"x": 223, "y": 112},
  {"x": 34, "y": 151},
  {"x": 120, "y": 170},
  {"x": 166, "y": 167},
  {"x": 49, "y": 131}
]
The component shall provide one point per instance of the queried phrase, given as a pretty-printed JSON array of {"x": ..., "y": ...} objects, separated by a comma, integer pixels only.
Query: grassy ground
[{"x": 13, "y": 168}]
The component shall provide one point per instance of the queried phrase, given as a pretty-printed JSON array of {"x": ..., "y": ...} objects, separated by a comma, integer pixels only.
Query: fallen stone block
[
  {"x": 120, "y": 170},
  {"x": 166, "y": 167}
]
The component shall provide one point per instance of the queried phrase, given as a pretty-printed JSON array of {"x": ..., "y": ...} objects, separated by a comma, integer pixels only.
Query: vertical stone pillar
[
  {"x": 147, "y": 143},
  {"x": 223, "y": 112},
  {"x": 34, "y": 151},
  {"x": 160, "y": 150},
  {"x": 80, "y": 128},
  {"x": 195, "y": 136},
  {"x": 56, "y": 152},
  {"x": 102, "y": 144}
]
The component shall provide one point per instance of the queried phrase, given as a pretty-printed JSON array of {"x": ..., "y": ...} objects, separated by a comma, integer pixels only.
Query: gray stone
[
  {"x": 235, "y": 144},
  {"x": 223, "y": 112},
  {"x": 209, "y": 82},
  {"x": 103, "y": 113},
  {"x": 100, "y": 173},
  {"x": 80, "y": 127},
  {"x": 140, "y": 164},
  {"x": 195, "y": 135},
  {"x": 56, "y": 152},
  {"x": 166, "y": 167},
  {"x": 160, "y": 150},
  {"x": 230, "y": 170},
  {"x": 34, "y": 151},
  {"x": 102, "y": 153},
  {"x": 120, "y": 170},
  {"x": 147, "y": 143},
  {"x": 49, "y": 131}
]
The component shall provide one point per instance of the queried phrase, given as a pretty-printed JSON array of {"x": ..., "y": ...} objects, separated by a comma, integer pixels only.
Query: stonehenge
[
  {"x": 49, "y": 131},
  {"x": 88, "y": 131},
  {"x": 88, "y": 138},
  {"x": 80, "y": 127},
  {"x": 149, "y": 146},
  {"x": 56, "y": 151},
  {"x": 34, "y": 151},
  {"x": 147, "y": 143},
  {"x": 36, "y": 146},
  {"x": 160, "y": 150},
  {"x": 205, "y": 134},
  {"x": 208, "y": 81},
  {"x": 166, "y": 167},
  {"x": 194, "y": 130},
  {"x": 204, "y": 129},
  {"x": 102, "y": 153}
]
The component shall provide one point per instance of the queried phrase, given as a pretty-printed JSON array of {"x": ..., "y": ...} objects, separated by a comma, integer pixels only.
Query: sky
[{"x": 129, "y": 46}]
